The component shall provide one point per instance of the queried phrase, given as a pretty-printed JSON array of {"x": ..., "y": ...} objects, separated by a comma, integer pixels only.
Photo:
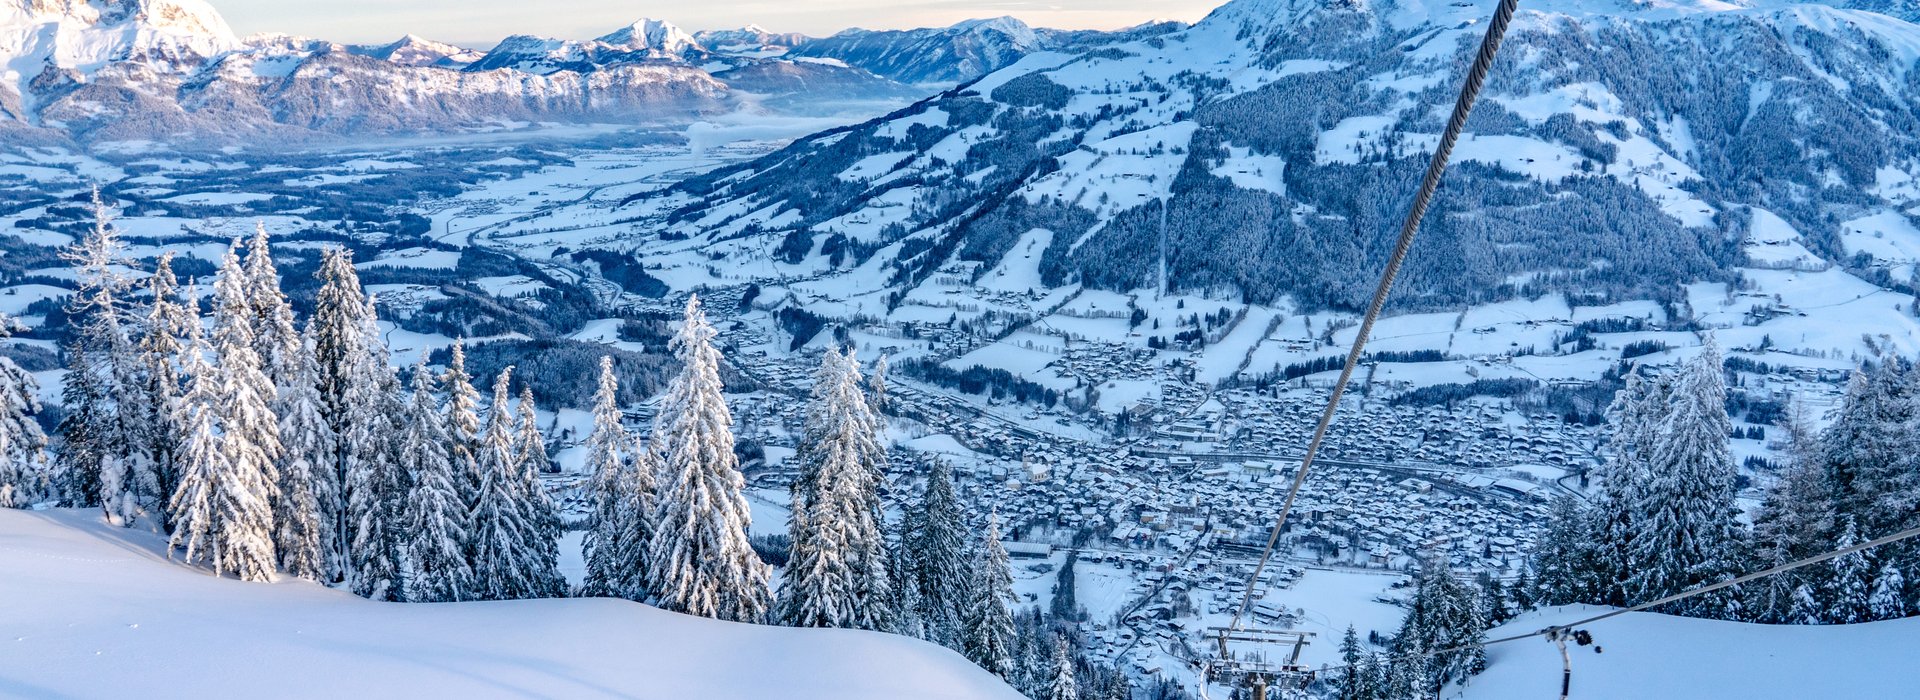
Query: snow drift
[
  {"x": 90, "y": 610},
  {"x": 1660, "y": 656}
]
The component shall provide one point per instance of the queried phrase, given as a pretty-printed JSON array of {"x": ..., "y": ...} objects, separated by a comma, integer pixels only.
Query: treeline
[{"x": 1666, "y": 519}]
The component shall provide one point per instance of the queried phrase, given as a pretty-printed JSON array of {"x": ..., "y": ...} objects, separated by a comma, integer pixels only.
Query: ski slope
[
  {"x": 1660, "y": 657},
  {"x": 90, "y": 610}
]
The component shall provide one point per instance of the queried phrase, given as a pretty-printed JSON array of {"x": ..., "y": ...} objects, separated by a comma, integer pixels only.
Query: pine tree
[
  {"x": 539, "y": 545},
  {"x": 93, "y": 464},
  {"x": 157, "y": 397},
  {"x": 1871, "y": 443},
  {"x": 1445, "y": 614},
  {"x": 837, "y": 575},
  {"x": 1494, "y": 595},
  {"x": 1523, "y": 591},
  {"x": 463, "y": 430},
  {"x": 435, "y": 518},
  {"x": 879, "y": 386},
  {"x": 348, "y": 386},
  {"x": 1636, "y": 416},
  {"x": 700, "y": 562},
  {"x": 939, "y": 543},
  {"x": 499, "y": 519},
  {"x": 79, "y": 463},
  {"x": 358, "y": 401},
  {"x": 249, "y": 430},
  {"x": 224, "y": 502},
  {"x": 903, "y": 567},
  {"x": 1848, "y": 599},
  {"x": 1568, "y": 555},
  {"x": 23, "y": 458},
  {"x": 1685, "y": 531},
  {"x": 1886, "y": 603},
  {"x": 310, "y": 493},
  {"x": 989, "y": 634},
  {"x": 196, "y": 503},
  {"x": 606, "y": 558},
  {"x": 1795, "y": 521},
  {"x": 1062, "y": 686},
  {"x": 1347, "y": 685},
  {"x": 278, "y": 342},
  {"x": 1805, "y": 609}
]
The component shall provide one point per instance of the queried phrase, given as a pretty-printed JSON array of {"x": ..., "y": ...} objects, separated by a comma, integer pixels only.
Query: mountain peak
[
  {"x": 190, "y": 17},
  {"x": 414, "y": 50},
  {"x": 656, "y": 34}
]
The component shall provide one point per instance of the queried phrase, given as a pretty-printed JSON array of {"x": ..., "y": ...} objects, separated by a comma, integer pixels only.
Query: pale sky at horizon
[{"x": 482, "y": 23}]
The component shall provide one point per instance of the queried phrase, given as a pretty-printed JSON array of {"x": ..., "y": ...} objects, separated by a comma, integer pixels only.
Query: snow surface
[
  {"x": 92, "y": 610},
  {"x": 1645, "y": 655}
]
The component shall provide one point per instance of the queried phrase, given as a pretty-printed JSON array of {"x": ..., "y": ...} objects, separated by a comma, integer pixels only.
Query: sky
[{"x": 482, "y": 23}]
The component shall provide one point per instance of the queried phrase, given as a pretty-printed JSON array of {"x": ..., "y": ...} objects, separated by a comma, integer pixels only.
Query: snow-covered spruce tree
[
  {"x": 463, "y": 428},
  {"x": 83, "y": 441},
  {"x": 157, "y": 398},
  {"x": 435, "y": 520},
  {"x": 1636, "y": 418},
  {"x": 499, "y": 525},
  {"x": 197, "y": 502},
  {"x": 878, "y": 385},
  {"x": 1794, "y": 521},
  {"x": 903, "y": 569},
  {"x": 1873, "y": 457},
  {"x": 634, "y": 539},
  {"x": 1870, "y": 448},
  {"x": 339, "y": 352},
  {"x": 1685, "y": 531},
  {"x": 989, "y": 634},
  {"x": 272, "y": 314},
  {"x": 540, "y": 543},
  {"x": 943, "y": 571},
  {"x": 1446, "y": 613},
  {"x": 1061, "y": 685},
  {"x": 223, "y": 506},
  {"x": 311, "y": 499},
  {"x": 1347, "y": 684},
  {"x": 358, "y": 402},
  {"x": 24, "y": 480},
  {"x": 1567, "y": 555},
  {"x": 98, "y": 358},
  {"x": 249, "y": 430},
  {"x": 699, "y": 561},
  {"x": 1806, "y": 610},
  {"x": 1887, "y": 601},
  {"x": 608, "y": 561},
  {"x": 1850, "y": 587},
  {"x": 837, "y": 575}
]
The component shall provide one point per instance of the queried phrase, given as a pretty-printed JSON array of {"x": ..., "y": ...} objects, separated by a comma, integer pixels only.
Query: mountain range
[
  {"x": 1621, "y": 151},
  {"x": 172, "y": 70}
]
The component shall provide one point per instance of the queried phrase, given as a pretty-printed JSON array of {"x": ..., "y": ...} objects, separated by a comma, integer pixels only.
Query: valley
[{"x": 1108, "y": 278}]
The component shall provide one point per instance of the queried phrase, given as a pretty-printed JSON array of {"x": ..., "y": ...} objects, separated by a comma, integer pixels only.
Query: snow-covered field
[
  {"x": 1644, "y": 655},
  {"x": 88, "y": 610}
]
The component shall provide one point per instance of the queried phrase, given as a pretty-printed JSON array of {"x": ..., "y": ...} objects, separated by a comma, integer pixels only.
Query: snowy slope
[
  {"x": 1620, "y": 153},
  {"x": 1659, "y": 657},
  {"x": 95, "y": 611}
]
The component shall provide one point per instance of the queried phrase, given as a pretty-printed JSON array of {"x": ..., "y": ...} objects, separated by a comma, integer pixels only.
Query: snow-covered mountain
[
  {"x": 1621, "y": 151},
  {"x": 751, "y": 39},
  {"x": 960, "y": 52},
  {"x": 647, "y": 40},
  {"x": 171, "y": 70},
  {"x": 414, "y": 51}
]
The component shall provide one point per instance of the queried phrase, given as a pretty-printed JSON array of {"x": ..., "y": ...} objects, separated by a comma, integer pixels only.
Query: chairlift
[{"x": 1257, "y": 669}]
